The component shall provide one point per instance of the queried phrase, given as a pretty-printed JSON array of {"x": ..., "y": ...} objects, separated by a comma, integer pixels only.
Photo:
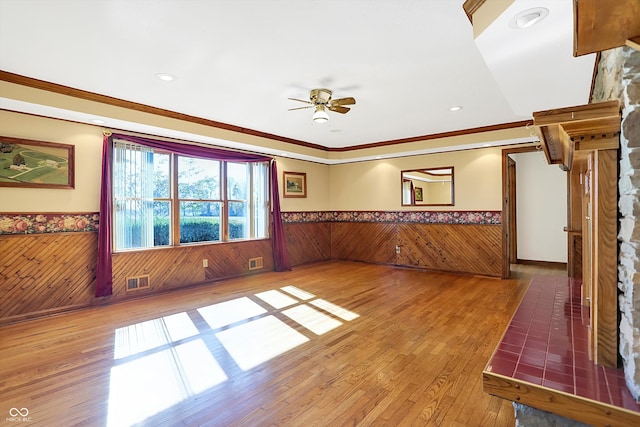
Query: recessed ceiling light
[
  {"x": 528, "y": 18},
  {"x": 455, "y": 108},
  {"x": 165, "y": 77}
]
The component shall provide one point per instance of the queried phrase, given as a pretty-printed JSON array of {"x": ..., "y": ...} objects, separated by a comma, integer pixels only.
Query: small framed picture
[
  {"x": 418, "y": 191},
  {"x": 295, "y": 184}
]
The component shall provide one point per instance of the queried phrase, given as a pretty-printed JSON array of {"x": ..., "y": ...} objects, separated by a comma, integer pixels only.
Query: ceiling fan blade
[
  {"x": 301, "y": 100},
  {"x": 301, "y": 108},
  {"x": 343, "y": 101},
  {"x": 339, "y": 109}
]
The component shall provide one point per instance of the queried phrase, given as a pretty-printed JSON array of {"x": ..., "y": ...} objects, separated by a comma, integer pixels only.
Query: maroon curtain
[
  {"x": 104, "y": 276},
  {"x": 413, "y": 193},
  {"x": 194, "y": 150},
  {"x": 104, "y": 270},
  {"x": 280, "y": 255}
]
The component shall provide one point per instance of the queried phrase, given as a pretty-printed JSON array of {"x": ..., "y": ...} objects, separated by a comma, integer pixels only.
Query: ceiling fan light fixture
[{"x": 320, "y": 115}]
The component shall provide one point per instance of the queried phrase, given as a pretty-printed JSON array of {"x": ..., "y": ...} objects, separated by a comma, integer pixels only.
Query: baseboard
[{"x": 548, "y": 264}]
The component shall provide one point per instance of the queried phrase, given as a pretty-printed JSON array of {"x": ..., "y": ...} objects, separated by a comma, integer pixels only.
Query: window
[{"x": 165, "y": 199}]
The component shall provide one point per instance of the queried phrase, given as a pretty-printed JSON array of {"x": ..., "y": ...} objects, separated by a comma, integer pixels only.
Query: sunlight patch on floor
[
  {"x": 276, "y": 299},
  {"x": 336, "y": 310},
  {"x": 228, "y": 312},
  {"x": 303, "y": 295},
  {"x": 255, "y": 342},
  {"x": 148, "y": 385},
  {"x": 312, "y": 319},
  {"x": 163, "y": 361},
  {"x": 144, "y": 336}
]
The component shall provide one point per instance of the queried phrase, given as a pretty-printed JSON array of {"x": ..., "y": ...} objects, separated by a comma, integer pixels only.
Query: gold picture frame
[
  {"x": 294, "y": 184},
  {"x": 36, "y": 164}
]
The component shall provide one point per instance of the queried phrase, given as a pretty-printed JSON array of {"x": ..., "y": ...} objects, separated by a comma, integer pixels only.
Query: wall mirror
[{"x": 428, "y": 187}]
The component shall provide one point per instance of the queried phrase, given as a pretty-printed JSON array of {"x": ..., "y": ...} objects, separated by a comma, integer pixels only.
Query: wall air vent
[
  {"x": 255, "y": 263},
  {"x": 137, "y": 283}
]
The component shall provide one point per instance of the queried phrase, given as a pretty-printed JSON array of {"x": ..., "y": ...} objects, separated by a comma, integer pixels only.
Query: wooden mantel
[
  {"x": 586, "y": 127},
  {"x": 585, "y": 140}
]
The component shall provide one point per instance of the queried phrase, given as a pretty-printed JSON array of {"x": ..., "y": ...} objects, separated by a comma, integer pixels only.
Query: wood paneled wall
[
  {"x": 46, "y": 273},
  {"x": 43, "y": 274},
  {"x": 174, "y": 268},
  {"x": 459, "y": 248},
  {"x": 308, "y": 242},
  {"x": 364, "y": 241}
]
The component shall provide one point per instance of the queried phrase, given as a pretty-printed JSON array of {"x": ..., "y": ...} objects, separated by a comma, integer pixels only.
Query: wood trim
[
  {"x": 506, "y": 254},
  {"x": 512, "y": 207},
  {"x": 471, "y": 6},
  {"x": 543, "y": 264},
  {"x": 116, "y": 102},
  {"x": 633, "y": 42},
  {"x": 574, "y": 216},
  {"x": 432, "y": 136},
  {"x": 557, "y": 402},
  {"x": 605, "y": 258}
]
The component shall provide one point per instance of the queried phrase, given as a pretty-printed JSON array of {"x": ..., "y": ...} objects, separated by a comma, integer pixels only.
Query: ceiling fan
[{"x": 320, "y": 99}]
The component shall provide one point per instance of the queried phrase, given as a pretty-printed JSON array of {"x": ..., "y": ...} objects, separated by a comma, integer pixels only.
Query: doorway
[{"x": 534, "y": 211}]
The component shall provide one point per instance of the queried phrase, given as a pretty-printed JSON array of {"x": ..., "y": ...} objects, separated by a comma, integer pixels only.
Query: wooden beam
[
  {"x": 633, "y": 42},
  {"x": 558, "y": 402},
  {"x": 604, "y": 307},
  {"x": 597, "y": 144},
  {"x": 600, "y": 25}
]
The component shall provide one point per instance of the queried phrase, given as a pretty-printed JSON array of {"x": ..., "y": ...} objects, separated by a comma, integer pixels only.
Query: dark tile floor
[{"x": 547, "y": 344}]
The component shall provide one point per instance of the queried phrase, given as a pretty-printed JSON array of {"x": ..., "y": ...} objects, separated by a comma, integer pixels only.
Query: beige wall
[
  {"x": 317, "y": 185},
  {"x": 88, "y": 153},
  {"x": 376, "y": 185},
  {"x": 370, "y": 185}
]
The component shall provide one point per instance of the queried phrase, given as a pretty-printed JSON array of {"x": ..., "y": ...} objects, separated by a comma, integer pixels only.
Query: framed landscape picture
[
  {"x": 295, "y": 184},
  {"x": 36, "y": 164}
]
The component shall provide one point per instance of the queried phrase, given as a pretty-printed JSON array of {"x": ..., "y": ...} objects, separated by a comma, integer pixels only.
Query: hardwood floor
[{"x": 393, "y": 347}]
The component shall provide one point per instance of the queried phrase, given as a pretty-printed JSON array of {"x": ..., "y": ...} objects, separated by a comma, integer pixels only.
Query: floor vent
[
  {"x": 255, "y": 263},
  {"x": 136, "y": 283}
]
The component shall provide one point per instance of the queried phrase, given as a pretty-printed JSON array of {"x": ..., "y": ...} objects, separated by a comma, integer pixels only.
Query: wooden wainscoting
[
  {"x": 49, "y": 273},
  {"x": 46, "y": 273},
  {"x": 364, "y": 241},
  {"x": 461, "y": 248},
  {"x": 174, "y": 268},
  {"x": 308, "y": 242}
]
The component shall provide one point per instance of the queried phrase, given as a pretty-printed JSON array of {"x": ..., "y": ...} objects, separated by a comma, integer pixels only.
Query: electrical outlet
[
  {"x": 397, "y": 249},
  {"x": 205, "y": 263}
]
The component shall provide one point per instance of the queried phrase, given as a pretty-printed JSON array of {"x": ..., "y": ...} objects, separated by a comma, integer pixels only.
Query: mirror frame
[{"x": 426, "y": 170}]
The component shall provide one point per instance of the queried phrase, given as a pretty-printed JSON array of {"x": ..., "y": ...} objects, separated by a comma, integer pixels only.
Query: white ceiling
[{"x": 237, "y": 61}]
